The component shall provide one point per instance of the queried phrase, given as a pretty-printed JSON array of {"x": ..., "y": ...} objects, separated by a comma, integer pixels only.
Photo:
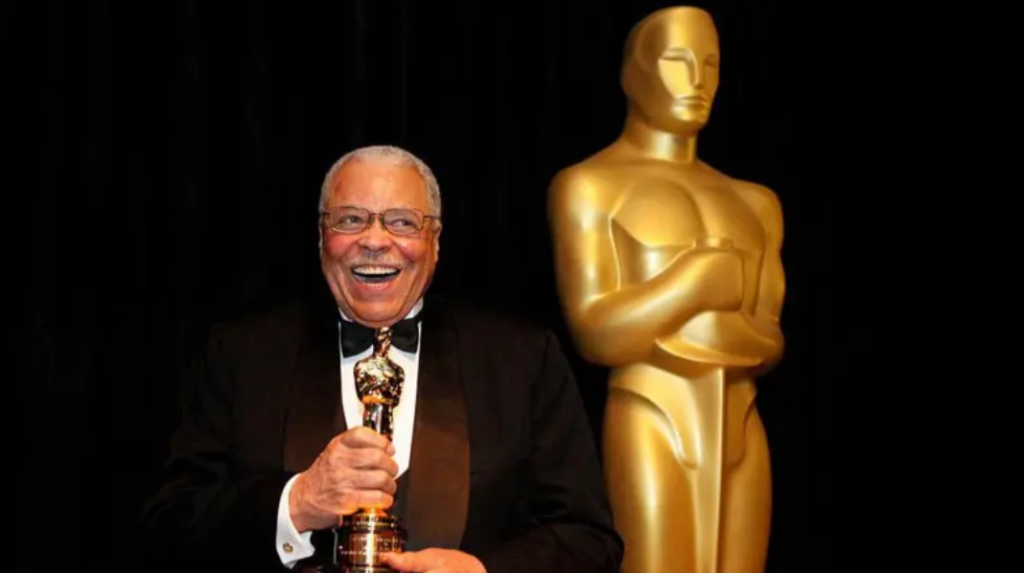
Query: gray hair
[{"x": 395, "y": 156}]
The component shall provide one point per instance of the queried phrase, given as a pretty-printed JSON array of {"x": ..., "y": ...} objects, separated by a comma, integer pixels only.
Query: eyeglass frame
[{"x": 373, "y": 216}]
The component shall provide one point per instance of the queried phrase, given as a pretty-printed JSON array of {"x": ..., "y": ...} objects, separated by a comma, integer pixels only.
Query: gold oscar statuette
[
  {"x": 669, "y": 273},
  {"x": 369, "y": 532}
]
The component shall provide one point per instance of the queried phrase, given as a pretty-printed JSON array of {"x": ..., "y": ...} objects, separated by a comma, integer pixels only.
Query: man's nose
[{"x": 375, "y": 237}]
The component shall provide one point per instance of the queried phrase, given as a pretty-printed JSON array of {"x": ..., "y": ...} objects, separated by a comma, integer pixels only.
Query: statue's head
[{"x": 670, "y": 68}]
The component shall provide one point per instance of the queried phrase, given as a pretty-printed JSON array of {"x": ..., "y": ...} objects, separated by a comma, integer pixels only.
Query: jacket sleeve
[
  {"x": 573, "y": 526},
  {"x": 206, "y": 514}
]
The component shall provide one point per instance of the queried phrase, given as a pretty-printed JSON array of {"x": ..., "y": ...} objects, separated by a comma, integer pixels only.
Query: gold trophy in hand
[{"x": 369, "y": 532}]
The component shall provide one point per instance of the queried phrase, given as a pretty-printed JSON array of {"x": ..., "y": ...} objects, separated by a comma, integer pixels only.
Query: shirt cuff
[{"x": 291, "y": 545}]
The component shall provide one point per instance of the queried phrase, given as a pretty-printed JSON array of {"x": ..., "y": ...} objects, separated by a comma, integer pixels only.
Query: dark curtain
[{"x": 166, "y": 170}]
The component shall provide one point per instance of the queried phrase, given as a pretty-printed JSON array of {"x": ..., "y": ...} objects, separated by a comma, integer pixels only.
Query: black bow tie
[{"x": 356, "y": 338}]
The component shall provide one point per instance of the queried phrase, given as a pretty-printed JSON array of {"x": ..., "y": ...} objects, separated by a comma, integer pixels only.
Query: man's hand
[
  {"x": 434, "y": 561},
  {"x": 354, "y": 471}
]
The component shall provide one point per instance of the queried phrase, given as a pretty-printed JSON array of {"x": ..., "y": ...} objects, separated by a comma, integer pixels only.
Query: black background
[{"x": 171, "y": 166}]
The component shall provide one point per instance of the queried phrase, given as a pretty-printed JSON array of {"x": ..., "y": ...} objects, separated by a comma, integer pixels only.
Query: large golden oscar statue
[{"x": 669, "y": 273}]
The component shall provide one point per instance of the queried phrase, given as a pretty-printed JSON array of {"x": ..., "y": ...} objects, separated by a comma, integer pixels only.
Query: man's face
[
  {"x": 377, "y": 277},
  {"x": 672, "y": 74}
]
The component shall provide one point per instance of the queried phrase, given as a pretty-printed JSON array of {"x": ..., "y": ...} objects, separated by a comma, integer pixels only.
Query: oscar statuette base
[{"x": 364, "y": 537}]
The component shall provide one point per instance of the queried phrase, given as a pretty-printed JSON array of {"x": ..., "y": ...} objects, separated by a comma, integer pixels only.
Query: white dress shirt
[{"x": 293, "y": 546}]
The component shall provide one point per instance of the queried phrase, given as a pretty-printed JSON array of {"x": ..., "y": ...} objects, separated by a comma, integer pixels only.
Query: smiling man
[
  {"x": 492, "y": 467},
  {"x": 378, "y": 272}
]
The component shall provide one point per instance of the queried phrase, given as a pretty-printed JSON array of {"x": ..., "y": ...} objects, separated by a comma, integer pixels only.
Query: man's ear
[{"x": 320, "y": 231}]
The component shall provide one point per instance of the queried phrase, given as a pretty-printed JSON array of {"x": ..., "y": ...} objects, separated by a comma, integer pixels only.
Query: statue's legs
[
  {"x": 747, "y": 495},
  {"x": 650, "y": 492},
  {"x": 686, "y": 464}
]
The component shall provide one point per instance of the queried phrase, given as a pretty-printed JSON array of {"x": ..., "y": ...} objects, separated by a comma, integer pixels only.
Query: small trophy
[{"x": 368, "y": 533}]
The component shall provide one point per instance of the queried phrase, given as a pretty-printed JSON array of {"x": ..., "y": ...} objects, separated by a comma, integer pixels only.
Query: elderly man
[{"x": 491, "y": 467}]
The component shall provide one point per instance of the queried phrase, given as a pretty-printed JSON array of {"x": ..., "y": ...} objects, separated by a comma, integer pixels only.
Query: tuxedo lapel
[
  {"x": 438, "y": 489},
  {"x": 315, "y": 413}
]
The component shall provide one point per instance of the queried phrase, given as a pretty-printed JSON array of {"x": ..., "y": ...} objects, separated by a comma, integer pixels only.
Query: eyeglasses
[{"x": 400, "y": 221}]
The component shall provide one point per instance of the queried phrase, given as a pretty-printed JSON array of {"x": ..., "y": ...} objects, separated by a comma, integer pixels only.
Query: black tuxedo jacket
[{"x": 503, "y": 464}]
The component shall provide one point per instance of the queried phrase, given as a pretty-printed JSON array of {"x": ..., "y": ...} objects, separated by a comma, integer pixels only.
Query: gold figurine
[
  {"x": 371, "y": 531},
  {"x": 669, "y": 273},
  {"x": 379, "y": 385}
]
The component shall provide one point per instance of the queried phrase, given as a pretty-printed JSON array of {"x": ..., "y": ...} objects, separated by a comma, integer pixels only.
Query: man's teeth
[{"x": 375, "y": 271}]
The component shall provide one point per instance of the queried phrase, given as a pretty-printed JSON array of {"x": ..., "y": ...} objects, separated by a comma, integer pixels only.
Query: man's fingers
[
  {"x": 434, "y": 560},
  {"x": 371, "y": 459},
  {"x": 363, "y": 437},
  {"x": 399, "y": 561},
  {"x": 375, "y": 479},
  {"x": 373, "y": 499},
  {"x": 411, "y": 561},
  {"x": 363, "y": 499}
]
